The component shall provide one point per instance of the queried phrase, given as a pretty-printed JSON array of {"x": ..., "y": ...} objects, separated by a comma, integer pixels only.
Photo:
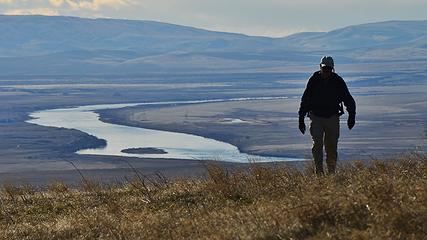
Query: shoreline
[
  {"x": 87, "y": 119},
  {"x": 178, "y": 129},
  {"x": 123, "y": 117},
  {"x": 117, "y": 169}
]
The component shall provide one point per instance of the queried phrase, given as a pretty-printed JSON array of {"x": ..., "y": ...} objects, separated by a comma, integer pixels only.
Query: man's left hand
[{"x": 351, "y": 121}]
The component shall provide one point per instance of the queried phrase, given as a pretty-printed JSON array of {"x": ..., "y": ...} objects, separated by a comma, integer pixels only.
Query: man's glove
[
  {"x": 351, "y": 121},
  {"x": 301, "y": 125}
]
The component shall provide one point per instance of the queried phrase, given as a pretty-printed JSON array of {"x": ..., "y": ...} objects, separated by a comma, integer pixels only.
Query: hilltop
[{"x": 382, "y": 200}]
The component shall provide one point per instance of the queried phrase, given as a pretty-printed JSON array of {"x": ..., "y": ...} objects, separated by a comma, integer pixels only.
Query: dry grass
[{"x": 383, "y": 200}]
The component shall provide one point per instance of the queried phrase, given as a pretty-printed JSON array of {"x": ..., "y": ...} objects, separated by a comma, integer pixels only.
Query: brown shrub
[{"x": 382, "y": 200}]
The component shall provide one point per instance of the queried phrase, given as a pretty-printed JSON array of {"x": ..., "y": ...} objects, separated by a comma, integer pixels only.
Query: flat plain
[{"x": 391, "y": 117}]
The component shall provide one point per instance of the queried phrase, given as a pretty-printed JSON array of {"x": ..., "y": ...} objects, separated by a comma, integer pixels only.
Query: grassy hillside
[{"x": 383, "y": 200}]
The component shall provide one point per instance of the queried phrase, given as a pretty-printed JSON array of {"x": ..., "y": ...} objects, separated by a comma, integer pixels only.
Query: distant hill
[
  {"x": 35, "y": 35},
  {"x": 71, "y": 45},
  {"x": 383, "y": 41},
  {"x": 381, "y": 35}
]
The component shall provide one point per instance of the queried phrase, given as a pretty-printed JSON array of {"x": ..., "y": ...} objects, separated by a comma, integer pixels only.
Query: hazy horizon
[{"x": 267, "y": 18}]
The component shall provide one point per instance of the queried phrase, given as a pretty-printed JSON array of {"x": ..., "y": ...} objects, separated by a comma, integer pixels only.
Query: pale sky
[{"x": 275, "y": 18}]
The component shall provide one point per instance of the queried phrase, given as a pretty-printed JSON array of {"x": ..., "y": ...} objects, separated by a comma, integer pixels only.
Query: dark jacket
[{"x": 322, "y": 97}]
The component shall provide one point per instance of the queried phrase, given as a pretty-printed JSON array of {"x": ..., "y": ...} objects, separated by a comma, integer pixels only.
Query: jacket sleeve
[
  {"x": 305, "y": 105},
  {"x": 348, "y": 100}
]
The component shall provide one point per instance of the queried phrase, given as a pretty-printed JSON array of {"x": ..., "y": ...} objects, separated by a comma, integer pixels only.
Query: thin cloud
[
  {"x": 95, "y": 5},
  {"x": 32, "y": 11}
]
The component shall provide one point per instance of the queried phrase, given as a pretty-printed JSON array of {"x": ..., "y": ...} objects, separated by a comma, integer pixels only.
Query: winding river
[{"x": 119, "y": 137}]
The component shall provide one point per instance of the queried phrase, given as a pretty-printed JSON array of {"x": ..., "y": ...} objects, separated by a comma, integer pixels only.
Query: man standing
[{"x": 322, "y": 102}]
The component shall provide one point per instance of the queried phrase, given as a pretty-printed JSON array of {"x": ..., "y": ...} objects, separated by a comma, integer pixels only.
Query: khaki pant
[{"x": 325, "y": 131}]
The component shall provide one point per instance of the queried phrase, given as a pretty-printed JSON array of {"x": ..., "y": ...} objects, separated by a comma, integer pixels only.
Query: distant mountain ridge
[
  {"x": 35, "y": 35},
  {"x": 391, "y": 33},
  {"x": 71, "y": 45}
]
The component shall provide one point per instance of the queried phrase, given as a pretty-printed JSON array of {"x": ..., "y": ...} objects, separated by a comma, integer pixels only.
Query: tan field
[{"x": 385, "y": 200}]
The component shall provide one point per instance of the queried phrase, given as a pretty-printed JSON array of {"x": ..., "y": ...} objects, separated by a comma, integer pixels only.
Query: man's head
[
  {"x": 327, "y": 61},
  {"x": 326, "y": 66}
]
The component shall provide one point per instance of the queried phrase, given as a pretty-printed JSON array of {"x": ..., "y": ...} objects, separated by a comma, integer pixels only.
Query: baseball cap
[{"x": 327, "y": 61}]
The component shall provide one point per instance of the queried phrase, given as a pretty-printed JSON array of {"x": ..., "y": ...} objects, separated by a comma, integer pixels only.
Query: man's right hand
[
  {"x": 351, "y": 121},
  {"x": 301, "y": 125}
]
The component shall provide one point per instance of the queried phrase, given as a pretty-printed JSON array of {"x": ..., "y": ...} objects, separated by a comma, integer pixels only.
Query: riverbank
[
  {"x": 120, "y": 137},
  {"x": 256, "y": 127},
  {"x": 37, "y": 155},
  {"x": 269, "y": 127}
]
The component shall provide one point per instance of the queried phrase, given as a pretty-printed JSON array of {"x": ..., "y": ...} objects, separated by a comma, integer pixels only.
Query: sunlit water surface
[{"x": 118, "y": 137}]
